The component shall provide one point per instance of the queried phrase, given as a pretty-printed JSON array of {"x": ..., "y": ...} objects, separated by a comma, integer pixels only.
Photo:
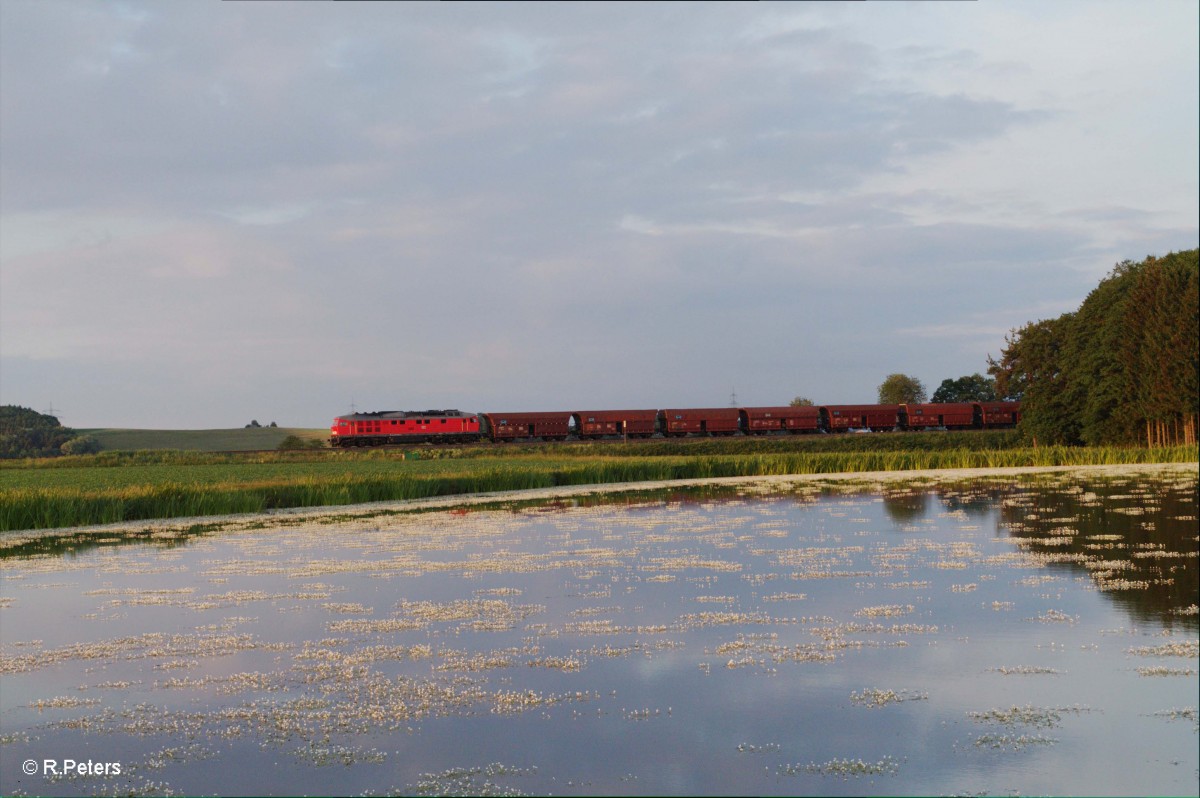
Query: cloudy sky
[{"x": 212, "y": 212}]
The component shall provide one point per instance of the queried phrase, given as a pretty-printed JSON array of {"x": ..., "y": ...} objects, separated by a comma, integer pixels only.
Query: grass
[
  {"x": 127, "y": 486},
  {"x": 204, "y": 440}
]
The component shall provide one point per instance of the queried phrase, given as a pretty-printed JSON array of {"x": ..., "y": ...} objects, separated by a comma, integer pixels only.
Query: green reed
[{"x": 29, "y": 500}]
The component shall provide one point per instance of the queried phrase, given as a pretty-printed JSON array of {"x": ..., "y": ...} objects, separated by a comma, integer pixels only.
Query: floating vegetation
[
  {"x": 845, "y": 768},
  {"x": 766, "y": 748},
  {"x": 1183, "y": 648},
  {"x": 326, "y": 755},
  {"x": 642, "y": 714},
  {"x": 379, "y": 641},
  {"x": 1162, "y": 671},
  {"x": 470, "y": 781},
  {"x": 885, "y": 611},
  {"x": 1013, "y": 742},
  {"x": 158, "y": 646},
  {"x": 1187, "y": 713},
  {"x": 1040, "y": 717},
  {"x": 174, "y": 755},
  {"x": 557, "y": 663},
  {"x": 785, "y": 597},
  {"x": 516, "y": 702},
  {"x": 16, "y": 738},
  {"x": 63, "y": 702},
  {"x": 1055, "y": 616},
  {"x": 871, "y": 697},
  {"x": 345, "y": 608},
  {"x": 375, "y": 625}
]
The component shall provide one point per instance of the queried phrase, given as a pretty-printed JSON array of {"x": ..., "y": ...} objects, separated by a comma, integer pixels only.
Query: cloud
[{"x": 567, "y": 204}]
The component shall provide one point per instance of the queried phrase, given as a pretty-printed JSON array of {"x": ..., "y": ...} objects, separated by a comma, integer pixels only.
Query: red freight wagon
[
  {"x": 527, "y": 426},
  {"x": 597, "y": 423},
  {"x": 403, "y": 426},
  {"x": 951, "y": 415},
  {"x": 761, "y": 420},
  {"x": 999, "y": 414},
  {"x": 706, "y": 421},
  {"x": 841, "y": 418}
]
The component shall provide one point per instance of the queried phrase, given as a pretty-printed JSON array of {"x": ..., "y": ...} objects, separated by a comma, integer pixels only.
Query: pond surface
[{"x": 987, "y": 637}]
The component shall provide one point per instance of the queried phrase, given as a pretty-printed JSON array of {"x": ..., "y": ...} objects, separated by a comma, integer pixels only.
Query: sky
[{"x": 217, "y": 212}]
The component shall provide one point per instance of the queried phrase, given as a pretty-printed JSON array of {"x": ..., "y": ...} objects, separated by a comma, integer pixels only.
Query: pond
[{"x": 993, "y": 636}]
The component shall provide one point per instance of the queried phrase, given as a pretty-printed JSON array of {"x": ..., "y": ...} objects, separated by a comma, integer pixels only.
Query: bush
[
  {"x": 81, "y": 444},
  {"x": 294, "y": 442}
]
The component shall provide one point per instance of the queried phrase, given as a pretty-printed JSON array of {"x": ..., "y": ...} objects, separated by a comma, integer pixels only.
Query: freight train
[{"x": 454, "y": 426}]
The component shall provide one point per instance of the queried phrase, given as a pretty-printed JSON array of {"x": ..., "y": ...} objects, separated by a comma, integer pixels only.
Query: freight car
[
  {"x": 794, "y": 420},
  {"x": 594, "y": 424},
  {"x": 527, "y": 426},
  {"x": 876, "y": 418},
  {"x": 948, "y": 415},
  {"x": 449, "y": 426},
  {"x": 710, "y": 421}
]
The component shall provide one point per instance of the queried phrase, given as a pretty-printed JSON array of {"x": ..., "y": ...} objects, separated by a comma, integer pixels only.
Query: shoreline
[{"x": 352, "y": 512}]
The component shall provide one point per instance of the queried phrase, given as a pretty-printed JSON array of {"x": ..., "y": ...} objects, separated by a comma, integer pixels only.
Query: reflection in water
[
  {"x": 1136, "y": 541},
  {"x": 983, "y": 636},
  {"x": 905, "y": 506}
]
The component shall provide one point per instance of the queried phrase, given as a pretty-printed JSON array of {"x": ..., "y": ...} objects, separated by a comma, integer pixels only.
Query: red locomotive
[
  {"x": 449, "y": 426},
  {"x": 385, "y": 427}
]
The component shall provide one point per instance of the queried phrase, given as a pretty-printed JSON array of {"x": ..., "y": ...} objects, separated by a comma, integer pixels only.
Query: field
[
  {"x": 125, "y": 486},
  {"x": 200, "y": 440}
]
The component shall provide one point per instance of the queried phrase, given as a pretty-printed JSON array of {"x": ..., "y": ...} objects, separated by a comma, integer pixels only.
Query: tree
[
  {"x": 1030, "y": 370},
  {"x": 1123, "y": 368},
  {"x": 971, "y": 388},
  {"x": 801, "y": 401},
  {"x": 81, "y": 444},
  {"x": 1160, "y": 349},
  {"x": 1096, "y": 384},
  {"x": 901, "y": 389},
  {"x": 28, "y": 433}
]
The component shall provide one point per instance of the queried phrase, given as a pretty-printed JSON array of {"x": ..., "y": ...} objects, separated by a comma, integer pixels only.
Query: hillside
[{"x": 200, "y": 440}]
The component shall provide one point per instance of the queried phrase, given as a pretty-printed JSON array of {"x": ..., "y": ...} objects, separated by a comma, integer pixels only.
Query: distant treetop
[
  {"x": 901, "y": 389},
  {"x": 972, "y": 388}
]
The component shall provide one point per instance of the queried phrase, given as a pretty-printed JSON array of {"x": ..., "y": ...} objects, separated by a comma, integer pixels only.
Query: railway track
[{"x": 678, "y": 441}]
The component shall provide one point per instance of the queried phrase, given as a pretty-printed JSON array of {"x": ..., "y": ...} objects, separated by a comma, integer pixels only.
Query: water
[{"x": 996, "y": 637}]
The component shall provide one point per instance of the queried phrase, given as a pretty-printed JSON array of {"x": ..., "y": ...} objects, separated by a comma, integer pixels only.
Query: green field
[
  {"x": 200, "y": 440},
  {"x": 133, "y": 485}
]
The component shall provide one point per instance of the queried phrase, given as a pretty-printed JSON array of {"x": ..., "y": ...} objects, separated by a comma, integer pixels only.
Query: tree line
[
  {"x": 902, "y": 389},
  {"x": 1121, "y": 369},
  {"x": 28, "y": 433}
]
